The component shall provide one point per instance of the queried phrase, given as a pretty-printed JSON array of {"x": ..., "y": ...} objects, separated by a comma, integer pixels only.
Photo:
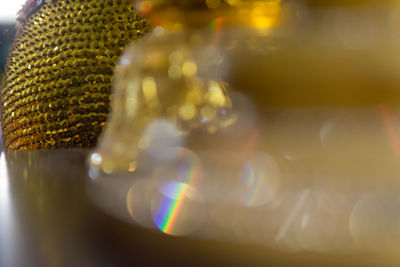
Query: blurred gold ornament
[
  {"x": 180, "y": 14},
  {"x": 283, "y": 132},
  {"x": 56, "y": 89},
  {"x": 173, "y": 78}
]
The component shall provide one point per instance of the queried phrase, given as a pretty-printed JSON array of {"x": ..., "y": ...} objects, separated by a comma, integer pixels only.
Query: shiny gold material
[
  {"x": 56, "y": 89},
  {"x": 178, "y": 14}
]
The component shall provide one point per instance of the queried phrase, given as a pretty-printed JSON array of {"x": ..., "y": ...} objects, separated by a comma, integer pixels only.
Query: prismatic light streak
[
  {"x": 252, "y": 142},
  {"x": 170, "y": 209},
  {"x": 173, "y": 201},
  {"x": 216, "y": 25},
  {"x": 251, "y": 181}
]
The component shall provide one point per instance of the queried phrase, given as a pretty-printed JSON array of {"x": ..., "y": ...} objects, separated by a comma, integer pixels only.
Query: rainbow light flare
[
  {"x": 390, "y": 127},
  {"x": 170, "y": 208},
  {"x": 216, "y": 25},
  {"x": 251, "y": 181}
]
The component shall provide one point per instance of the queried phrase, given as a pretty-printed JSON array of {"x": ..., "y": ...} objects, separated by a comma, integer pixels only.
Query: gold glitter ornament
[{"x": 56, "y": 88}]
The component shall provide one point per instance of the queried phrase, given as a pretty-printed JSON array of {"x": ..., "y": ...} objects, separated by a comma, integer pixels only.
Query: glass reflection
[
  {"x": 269, "y": 137},
  {"x": 179, "y": 211},
  {"x": 260, "y": 181},
  {"x": 138, "y": 202}
]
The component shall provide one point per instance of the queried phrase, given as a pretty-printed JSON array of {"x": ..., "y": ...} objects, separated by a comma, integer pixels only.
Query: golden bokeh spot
[
  {"x": 189, "y": 68},
  {"x": 149, "y": 88},
  {"x": 187, "y": 111},
  {"x": 215, "y": 94}
]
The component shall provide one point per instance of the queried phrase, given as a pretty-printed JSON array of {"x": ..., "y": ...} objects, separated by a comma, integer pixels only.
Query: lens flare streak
[
  {"x": 251, "y": 142},
  {"x": 251, "y": 181},
  {"x": 170, "y": 209},
  {"x": 288, "y": 222},
  {"x": 387, "y": 117},
  {"x": 216, "y": 25}
]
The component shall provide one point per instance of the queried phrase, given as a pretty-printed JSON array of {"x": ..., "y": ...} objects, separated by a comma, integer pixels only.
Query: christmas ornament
[
  {"x": 171, "y": 87},
  {"x": 179, "y": 125},
  {"x": 56, "y": 88},
  {"x": 260, "y": 128}
]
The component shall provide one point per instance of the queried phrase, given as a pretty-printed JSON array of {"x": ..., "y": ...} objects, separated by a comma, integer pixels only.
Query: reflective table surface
[{"x": 48, "y": 219}]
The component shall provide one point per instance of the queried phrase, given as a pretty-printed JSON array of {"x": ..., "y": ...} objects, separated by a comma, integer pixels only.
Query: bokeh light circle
[{"x": 178, "y": 209}]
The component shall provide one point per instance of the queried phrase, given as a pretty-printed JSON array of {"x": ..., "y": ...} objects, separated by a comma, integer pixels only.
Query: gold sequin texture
[{"x": 56, "y": 88}]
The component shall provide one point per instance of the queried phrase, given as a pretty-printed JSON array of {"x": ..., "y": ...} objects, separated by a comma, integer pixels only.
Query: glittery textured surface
[{"x": 56, "y": 89}]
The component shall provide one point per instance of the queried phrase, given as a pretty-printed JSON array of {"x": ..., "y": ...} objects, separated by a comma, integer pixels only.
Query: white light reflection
[
  {"x": 162, "y": 139},
  {"x": 260, "y": 181},
  {"x": 324, "y": 224},
  {"x": 7, "y": 237},
  {"x": 304, "y": 221},
  {"x": 292, "y": 215},
  {"x": 343, "y": 131},
  {"x": 9, "y": 9}
]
